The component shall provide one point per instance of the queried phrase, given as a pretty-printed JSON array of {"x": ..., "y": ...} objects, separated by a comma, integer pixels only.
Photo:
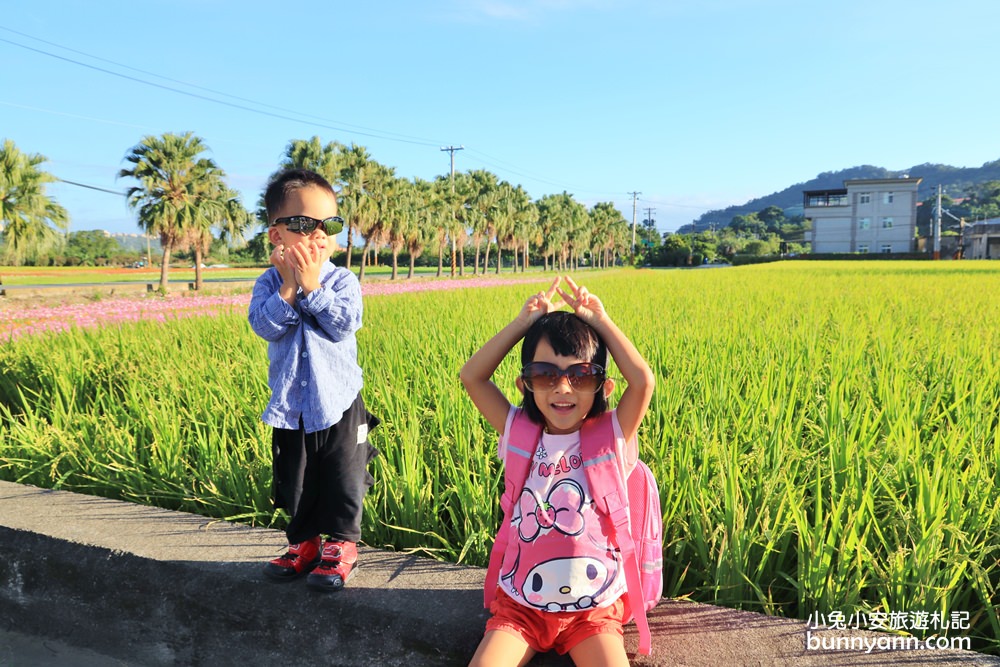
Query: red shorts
[{"x": 559, "y": 630}]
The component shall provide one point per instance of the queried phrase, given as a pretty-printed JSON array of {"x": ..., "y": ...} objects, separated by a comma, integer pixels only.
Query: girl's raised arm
[
  {"x": 638, "y": 376},
  {"x": 477, "y": 372}
]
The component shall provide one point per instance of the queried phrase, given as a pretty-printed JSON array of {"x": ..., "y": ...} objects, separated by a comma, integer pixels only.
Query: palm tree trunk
[
  {"x": 453, "y": 250},
  {"x": 413, "y": 260},
  {"x": 461, "y": 261},
  {"x": 440, "y": 259},
  {"x": 197, "y": 268},
  {"x": 395, "y": 263},
  {"x": 500, "y": 258},
  {"x": 475, "y": 269},
  {"x": 486, "y": 262},
  {"x": 165, "y": 266},
  {"x": 364, "y": 258},
  {"x": 350, "y": 244}
]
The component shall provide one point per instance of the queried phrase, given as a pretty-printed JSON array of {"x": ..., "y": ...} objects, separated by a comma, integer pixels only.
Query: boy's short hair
[
  {"x": 571, "y": 337},
  {"x": 287, "y": 180}
]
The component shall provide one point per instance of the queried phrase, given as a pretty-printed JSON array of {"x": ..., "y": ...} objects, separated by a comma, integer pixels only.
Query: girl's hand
[
  {"x": 586, "y": 306},
  {"x": 539, "y": 304}
]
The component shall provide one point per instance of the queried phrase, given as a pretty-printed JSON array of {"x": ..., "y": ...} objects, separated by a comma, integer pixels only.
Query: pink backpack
[{"x": 634, "y": 509}]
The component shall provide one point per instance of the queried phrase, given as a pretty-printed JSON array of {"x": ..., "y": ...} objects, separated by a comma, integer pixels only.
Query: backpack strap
[
  {"x": 597, "y": 442},
  {"x": 521, "y": 443}
]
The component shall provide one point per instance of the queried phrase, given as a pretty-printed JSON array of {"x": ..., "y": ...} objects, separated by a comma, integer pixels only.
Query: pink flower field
[{"x": 17, "y": 319}]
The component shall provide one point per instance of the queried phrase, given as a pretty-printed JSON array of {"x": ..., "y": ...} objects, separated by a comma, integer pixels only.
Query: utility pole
[
  {"x": 452, "y": 149},
  {"x": 937, "y": 226},
  {"x": 634, "y": 196},
  {"x": 648, "y": 222}
]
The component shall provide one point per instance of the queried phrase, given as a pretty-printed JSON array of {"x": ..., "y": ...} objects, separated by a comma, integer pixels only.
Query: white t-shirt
[{"x": 560, "y": 556}]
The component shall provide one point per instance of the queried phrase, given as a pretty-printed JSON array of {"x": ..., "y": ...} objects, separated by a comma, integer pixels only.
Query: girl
[{"x": 572, "y": 603}]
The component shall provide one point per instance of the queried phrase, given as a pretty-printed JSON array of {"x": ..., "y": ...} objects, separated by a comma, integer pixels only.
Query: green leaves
[{"x": 29, "y": 219}]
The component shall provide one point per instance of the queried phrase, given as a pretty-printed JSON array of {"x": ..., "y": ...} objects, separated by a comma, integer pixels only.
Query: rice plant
[{"x": 826, "y": 436}]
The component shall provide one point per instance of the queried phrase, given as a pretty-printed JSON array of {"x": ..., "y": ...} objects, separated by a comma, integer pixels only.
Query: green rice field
[{"x": 826, "y": 436}]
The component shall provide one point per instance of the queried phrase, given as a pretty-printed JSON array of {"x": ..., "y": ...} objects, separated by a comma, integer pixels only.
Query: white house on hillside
[{"x": 866, "y": 215}]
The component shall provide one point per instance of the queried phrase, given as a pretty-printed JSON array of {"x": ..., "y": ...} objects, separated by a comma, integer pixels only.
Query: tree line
[{"x": 181, "y": 197}]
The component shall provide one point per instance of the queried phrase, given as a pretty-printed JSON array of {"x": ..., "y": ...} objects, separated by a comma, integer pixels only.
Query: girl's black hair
[
  {"x": 571, "y": 337},
  {"x": 287, "y": 180}
]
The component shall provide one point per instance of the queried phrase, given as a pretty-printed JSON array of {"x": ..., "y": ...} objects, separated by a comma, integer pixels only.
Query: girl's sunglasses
[
  {"x": 543, "y": 376},
  {"x": 303, "y": 224}
]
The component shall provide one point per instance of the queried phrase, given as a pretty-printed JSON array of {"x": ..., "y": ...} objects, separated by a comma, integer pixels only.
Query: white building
[{"x": 866, "y": 215}]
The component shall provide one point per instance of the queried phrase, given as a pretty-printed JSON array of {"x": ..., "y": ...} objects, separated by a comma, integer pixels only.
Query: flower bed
[{"x": 25, "y": 319}]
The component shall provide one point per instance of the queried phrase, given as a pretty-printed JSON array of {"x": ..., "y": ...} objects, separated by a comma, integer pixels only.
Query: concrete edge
[{"x": 154, "y": 587}]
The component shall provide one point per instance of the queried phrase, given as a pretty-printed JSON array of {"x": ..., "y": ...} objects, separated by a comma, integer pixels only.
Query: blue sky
[{"x": 697, "y": 104}]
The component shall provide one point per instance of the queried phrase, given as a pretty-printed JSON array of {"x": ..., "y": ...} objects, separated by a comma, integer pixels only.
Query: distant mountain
[{"x": 953, "y": 181}]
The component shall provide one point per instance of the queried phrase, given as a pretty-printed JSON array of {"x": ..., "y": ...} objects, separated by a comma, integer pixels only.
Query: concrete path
[{"x": 89, "y": 581}]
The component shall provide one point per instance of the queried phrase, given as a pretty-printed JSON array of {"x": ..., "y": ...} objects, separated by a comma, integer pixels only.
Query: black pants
[{"x": 321, "y": 478}]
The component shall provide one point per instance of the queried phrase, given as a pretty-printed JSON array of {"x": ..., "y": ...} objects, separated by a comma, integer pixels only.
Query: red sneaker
[
  {"x": 299, "y": 559},
  {"x": 339, "y": 561}
]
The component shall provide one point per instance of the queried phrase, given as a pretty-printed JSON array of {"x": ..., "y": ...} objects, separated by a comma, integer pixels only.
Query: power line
[
  {"x": 377, "y": 134},
  {"x": 298, "y": 117},
  {"x": 91, "y": 187},
  {"x": 192, "y": 85}
]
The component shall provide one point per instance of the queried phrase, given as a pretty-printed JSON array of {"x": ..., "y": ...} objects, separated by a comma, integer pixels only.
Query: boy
[{"x": 309, "y": 311}]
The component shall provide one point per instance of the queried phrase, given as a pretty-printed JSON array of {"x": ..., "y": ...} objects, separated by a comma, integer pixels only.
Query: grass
[
  {"x": 826, "y": 436},
  {"x": 65, "y": 275}
]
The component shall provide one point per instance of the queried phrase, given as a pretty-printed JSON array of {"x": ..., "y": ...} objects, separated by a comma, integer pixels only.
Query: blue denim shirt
[{"x": 312, "y": 350}]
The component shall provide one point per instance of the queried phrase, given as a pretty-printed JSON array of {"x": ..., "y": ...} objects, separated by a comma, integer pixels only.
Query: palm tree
[
  {"x": 374, "y": 225},
  {"x": 30, "y": 221},
  {"x": 425, "y": 228},
  {"x": 401, "y": 217},
  {"x": 503, "y": 221},
  {"x": 324, "y": 160},
  {"x": 465, "y": 219},
  {"x": 556, "y": 214},
  {"x": 516, "y": 213},
  {"x": 607, "y": 223},
  {"x": 170, "y": 197},
  {"x": 578, "y": 234},
  {"x": 479, "y": 188},
  {"x": 451, "y": 224},
  {"x": 220, "y": 210},
  {"x": 525, "y": 226},
  {"x": 357, "y": 170}
]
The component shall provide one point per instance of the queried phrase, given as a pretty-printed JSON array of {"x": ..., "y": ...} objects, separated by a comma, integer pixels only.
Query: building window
[
  {"x": 827, "y": 200},
  {"x": 886, "y": 248},
  {"x": 863, "y": 248},
  {"x": 864, "y": 223},
  {"x": 887, "y": 197},
  {"x": 865, "y": 198},
  {"x": 887, "y": 223}
]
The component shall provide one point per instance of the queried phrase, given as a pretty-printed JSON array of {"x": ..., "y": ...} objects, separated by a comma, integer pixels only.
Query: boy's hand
[
  {"x": 308, "y": 261},
  {"x": 281, "y": 259},
  {"x": 539, "y": 304},
  {"x": 586, "y": 306}
]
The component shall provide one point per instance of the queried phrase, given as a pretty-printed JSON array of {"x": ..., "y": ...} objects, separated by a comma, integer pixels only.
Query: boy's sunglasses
[
  {"x": 303, "y": 224},
  {"x": 542, "y": 376}
]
